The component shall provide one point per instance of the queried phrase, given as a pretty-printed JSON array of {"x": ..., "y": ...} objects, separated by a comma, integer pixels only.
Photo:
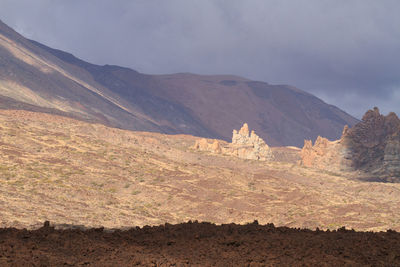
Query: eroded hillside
[{"x": 71, "y": 172}]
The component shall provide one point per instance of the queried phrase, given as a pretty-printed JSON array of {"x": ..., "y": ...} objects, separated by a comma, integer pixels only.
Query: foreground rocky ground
[{"x": 198, "y": 244}]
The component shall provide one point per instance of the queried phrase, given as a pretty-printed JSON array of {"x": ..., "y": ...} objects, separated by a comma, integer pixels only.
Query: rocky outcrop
[
  {"x": 203, "y": 145},
  {"x": 325, "y": 154},
  {"x": 244, "y": 145},
  {"x": 371, "y": 147},
  {"x": 250, "y": 146}
]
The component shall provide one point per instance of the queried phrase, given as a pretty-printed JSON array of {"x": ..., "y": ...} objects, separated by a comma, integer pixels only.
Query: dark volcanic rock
[{"x": 199, "y": 244}]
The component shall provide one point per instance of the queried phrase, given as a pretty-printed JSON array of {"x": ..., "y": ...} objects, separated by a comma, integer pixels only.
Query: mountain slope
[
  {"x": 68, "y": 171},
  {"x": 33, "y": 75}
]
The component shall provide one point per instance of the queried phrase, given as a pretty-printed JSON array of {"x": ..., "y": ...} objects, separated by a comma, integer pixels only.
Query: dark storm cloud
[{"x": 344, "y": 51}]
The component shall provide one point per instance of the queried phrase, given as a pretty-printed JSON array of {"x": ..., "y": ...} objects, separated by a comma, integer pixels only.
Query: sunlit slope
[{"x": 72, "y": 172}]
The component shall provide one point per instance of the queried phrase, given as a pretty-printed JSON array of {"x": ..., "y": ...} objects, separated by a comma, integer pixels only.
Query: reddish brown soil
[{"x": 198, "y": 244}]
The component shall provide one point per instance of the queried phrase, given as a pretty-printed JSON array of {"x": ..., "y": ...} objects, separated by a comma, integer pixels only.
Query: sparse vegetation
[
  {"x": 112, "y": 190},
  {"x": 135, "y": 192},
  {"x": 82, "y": 171},
  {"x": 251, "y": 186}
]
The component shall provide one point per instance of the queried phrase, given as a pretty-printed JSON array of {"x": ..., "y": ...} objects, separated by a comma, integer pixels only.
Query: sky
[{"x": 347, "y": 52}]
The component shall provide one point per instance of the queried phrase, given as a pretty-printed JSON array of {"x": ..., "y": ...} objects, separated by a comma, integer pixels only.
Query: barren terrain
[
  {"x": 72, "y": 172},
  {"x": 198, "y": 244}
]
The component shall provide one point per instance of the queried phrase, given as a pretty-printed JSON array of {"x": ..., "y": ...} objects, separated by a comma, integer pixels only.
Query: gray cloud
[{"x": 344, "y": 51}]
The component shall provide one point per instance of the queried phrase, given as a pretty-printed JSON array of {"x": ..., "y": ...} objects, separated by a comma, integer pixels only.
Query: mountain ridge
[{"x": 201, "y": 105}]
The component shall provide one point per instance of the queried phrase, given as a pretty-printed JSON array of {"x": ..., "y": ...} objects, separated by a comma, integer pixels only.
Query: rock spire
[{"x": 244, "y": 145}]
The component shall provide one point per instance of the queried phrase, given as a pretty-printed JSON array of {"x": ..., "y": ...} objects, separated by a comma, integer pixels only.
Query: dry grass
[{"x": 71, "y": 172}]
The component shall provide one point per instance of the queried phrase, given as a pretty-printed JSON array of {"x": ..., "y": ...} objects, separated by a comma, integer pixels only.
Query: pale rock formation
[
  {"x": 244, "y": 145},
  {"x": 326, "y": 155},
  {"x": 241, "y": 137},
  {"x": 201, "y": 144},
  {"x": 215, "y": 147}
]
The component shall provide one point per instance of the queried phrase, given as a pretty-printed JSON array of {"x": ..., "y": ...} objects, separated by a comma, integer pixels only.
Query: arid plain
[{"x": 76, "y": 173}]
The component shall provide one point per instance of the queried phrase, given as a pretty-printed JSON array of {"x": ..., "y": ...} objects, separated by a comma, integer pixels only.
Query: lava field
[{"x": 197, "y": 244}]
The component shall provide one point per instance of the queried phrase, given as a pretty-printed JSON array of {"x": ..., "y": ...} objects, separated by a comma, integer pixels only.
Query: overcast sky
[{"x": 347, "y": 52}]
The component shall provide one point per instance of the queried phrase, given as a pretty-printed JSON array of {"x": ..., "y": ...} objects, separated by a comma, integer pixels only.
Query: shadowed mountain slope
[{"x": 33, "y": 75}]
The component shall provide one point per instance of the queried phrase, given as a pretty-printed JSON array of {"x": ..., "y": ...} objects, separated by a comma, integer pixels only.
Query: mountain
[{"x": 39, "y": 78}]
